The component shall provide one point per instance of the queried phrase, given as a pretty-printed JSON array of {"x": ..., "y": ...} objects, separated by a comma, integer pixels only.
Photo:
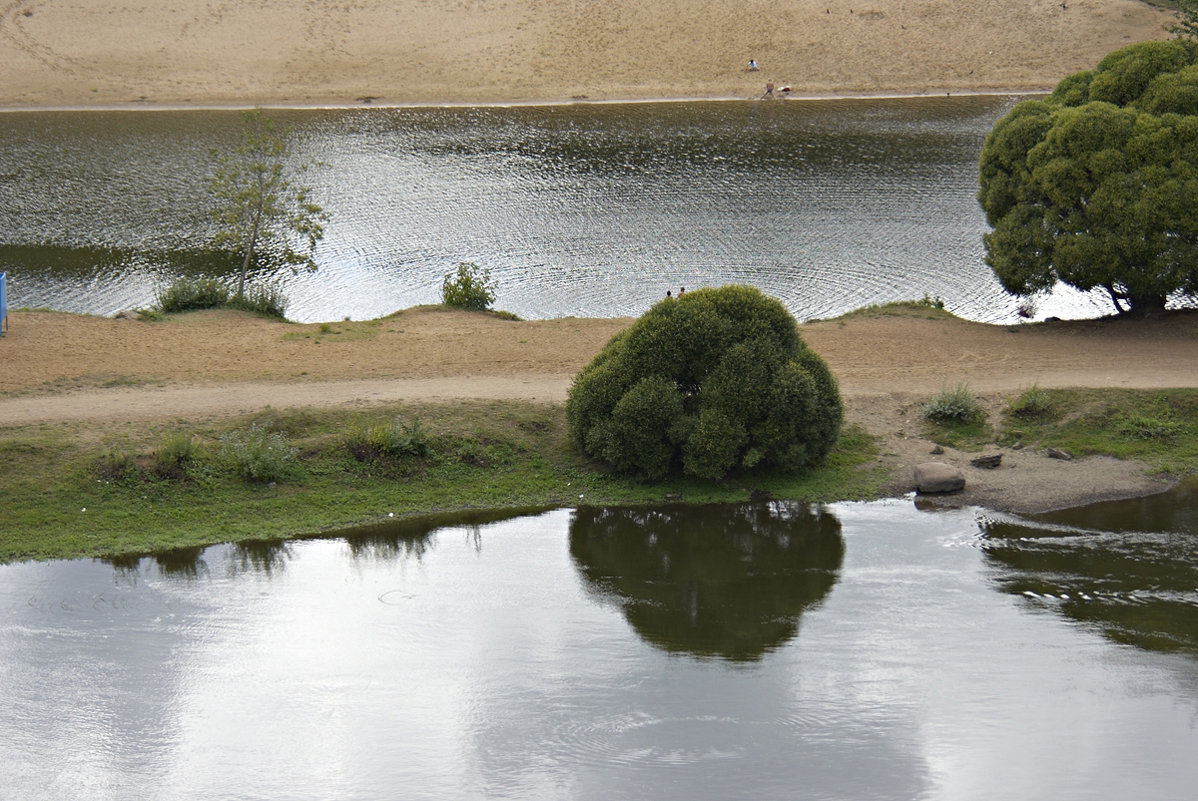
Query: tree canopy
[
  {"x": 712, "y": 382},
  {"x": 1096, "y": 186},
  {"x": 258, "y": 209}
]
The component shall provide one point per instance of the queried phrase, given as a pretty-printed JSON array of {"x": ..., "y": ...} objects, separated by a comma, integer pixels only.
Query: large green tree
[
  {"x": 259, "y": 212},
  {"x": 1096, "y": 186},
  {"x": 712, "y": 382}
]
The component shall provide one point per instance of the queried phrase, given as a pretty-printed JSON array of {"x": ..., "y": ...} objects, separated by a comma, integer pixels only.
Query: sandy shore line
[{"x": 211, "y": 53}]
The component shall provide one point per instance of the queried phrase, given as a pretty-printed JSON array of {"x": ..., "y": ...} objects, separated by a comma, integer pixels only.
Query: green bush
[
  {"x": 174, "y": 454},
  {"x": 469, "y": 288},
  {"x": 265, "y": 300},
  {"x": 714, "y": 382},
  {"x": 258, "y": 455},
  {"x": 1032, "y": 404},
  {"x": 391, "y": 439},
  {"x": 187, "y": 294},
  {"x": 953, "y": 406}
]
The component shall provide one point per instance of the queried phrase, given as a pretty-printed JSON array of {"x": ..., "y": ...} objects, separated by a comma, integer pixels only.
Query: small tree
[
  {"x": 257, "y": 207},
  {"x": 470, "y": 287},
  {"x": 710, "y": 383}
]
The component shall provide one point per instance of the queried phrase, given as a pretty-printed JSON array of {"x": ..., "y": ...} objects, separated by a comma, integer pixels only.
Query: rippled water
[
  {"x": 772, "y": 652},
  {"x": 587, "y": 210}
]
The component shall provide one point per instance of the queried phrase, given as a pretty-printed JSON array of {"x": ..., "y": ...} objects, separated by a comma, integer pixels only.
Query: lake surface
[
  {"x": 854, "y": 651},
  {"x": 585, "y": 210}
]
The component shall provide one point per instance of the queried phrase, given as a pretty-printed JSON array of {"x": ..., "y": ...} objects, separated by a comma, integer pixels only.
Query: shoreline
[{"x": 269, "y": 106}]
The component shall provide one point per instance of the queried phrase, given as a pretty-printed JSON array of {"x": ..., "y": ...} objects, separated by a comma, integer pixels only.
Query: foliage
[
  {"x": 187, "y": 294},
  {"x": 1032, "y": 404},
  {"x": 257, "y": 454},
  {"x": 956, "y": 405},
  {"x": 190, "y": 294},
  {"x": 259, "y": 211},
  {"x": 268, "y": 301},
  {"x": 710, "y": 383},
  {"x": 390, "y": 439},
  {"x": 174, "y": 455},
  {"x": 1097, "y": 185},
  {"x": 1186, "y": 26},
  {"x": 470, "y": 288}
]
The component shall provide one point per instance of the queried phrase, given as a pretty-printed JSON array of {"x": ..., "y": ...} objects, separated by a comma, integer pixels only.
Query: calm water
[
  {"x": 857, "y": 651},
  {"x": 587, "y": 210}
]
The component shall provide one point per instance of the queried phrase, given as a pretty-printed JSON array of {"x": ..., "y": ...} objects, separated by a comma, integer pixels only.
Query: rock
[
  {"x": 1057, "y": 453},
  {"x": 936, "y": 451},
  {"x": 987, "y": 462},
  {"x": 938, "y": 477}
]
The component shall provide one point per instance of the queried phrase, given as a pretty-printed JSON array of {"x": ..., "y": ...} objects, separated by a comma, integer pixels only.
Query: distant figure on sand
[
  {"x": 769, "y": 91},
  {"x": 752, "y": 65}
]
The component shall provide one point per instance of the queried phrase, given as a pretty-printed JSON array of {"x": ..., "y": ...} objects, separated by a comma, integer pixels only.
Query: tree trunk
[{"x": 1145, "y": 304}]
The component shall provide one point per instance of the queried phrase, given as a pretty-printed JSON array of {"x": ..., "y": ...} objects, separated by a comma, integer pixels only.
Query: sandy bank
[{"x": 210, "y": 52}]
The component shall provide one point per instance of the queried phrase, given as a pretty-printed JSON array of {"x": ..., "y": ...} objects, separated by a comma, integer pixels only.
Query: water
[
  {"x": 856, "y": 651},
  {"x": 586, "y": 210}
]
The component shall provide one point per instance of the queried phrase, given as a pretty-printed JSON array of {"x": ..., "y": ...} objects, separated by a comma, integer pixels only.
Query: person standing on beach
[{"x": 769, "y": 91}]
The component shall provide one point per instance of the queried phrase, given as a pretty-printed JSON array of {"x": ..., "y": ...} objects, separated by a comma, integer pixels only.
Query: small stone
[
  {"x": 936, "y": 451},
  {"x": 1057, "y": 453},
  {"x": 987, "y": 462}
]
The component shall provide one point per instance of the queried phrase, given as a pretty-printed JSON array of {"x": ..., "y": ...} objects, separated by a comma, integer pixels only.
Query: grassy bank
[{"x": 135, "y": 488}]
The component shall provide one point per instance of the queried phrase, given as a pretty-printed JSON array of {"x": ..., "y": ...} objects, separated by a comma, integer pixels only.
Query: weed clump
[
  {"x": 956, "y": 406},
  {"x": 258, "y": 455}
]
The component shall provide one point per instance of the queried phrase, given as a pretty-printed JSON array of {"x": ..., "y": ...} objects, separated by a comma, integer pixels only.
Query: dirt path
[{"x": 62, "y": 367}]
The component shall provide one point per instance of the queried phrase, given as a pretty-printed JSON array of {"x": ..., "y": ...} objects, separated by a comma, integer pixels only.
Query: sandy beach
[{"x": 279, "y": 52}]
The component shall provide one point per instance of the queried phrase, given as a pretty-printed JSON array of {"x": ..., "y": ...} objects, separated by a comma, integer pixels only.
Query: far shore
[{"x": 209, "y": 54}]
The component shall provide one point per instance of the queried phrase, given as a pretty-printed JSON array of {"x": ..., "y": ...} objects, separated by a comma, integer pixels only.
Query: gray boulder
[{"x": 938, "y": 477}]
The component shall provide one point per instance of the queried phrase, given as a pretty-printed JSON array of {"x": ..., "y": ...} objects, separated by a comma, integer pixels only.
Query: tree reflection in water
[
  {"x": 1130, "y": 568},
  {"x": 723, "y": 581}
]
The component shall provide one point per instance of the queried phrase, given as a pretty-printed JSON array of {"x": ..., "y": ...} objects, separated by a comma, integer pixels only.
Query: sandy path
[
  {"x": 206, "y": 52},
  {"x": 53, "y": 368}
]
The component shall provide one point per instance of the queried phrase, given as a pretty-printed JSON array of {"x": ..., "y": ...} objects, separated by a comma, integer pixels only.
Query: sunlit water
[
  {"x": 857, "y": 651},
  {"x": 586, "y": 210}
]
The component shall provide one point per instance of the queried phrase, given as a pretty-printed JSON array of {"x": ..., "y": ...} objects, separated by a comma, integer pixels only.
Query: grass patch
[
  {"x": 1158, "y": 427},
  {"x": 927, "y": 308},
  {"x": 290, "y": 473}
]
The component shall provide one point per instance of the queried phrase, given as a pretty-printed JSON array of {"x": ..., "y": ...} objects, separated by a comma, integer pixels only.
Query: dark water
[
  {"x": 855, "y": 651},
  {"x": 587, "y": 210}
]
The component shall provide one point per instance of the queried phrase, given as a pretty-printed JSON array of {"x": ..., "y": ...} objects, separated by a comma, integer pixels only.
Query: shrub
[
  {"x": 265, "y": 300},
  {"x": 187, "y": 294},
  {"x": 172, "y": 457},
  {"x": 470, "y": 288},
  {"x": 256, "y": 454},
  {"x": 1032, "y": 404},
  {"x": 710, "y": 383},
  {"x": 955, "y": 406},
  {"x": 391, "y": 439}
]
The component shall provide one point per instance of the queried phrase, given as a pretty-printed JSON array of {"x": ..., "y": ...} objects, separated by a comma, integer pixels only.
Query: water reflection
[
  {"x": 1128, "y": 568},
  {"x": 710, "y": 581}
]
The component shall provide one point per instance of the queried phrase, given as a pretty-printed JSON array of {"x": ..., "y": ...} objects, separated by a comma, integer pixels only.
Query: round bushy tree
[
  {"x": 712, "y": 382},
  {"x": 1097, "y": 185}
]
